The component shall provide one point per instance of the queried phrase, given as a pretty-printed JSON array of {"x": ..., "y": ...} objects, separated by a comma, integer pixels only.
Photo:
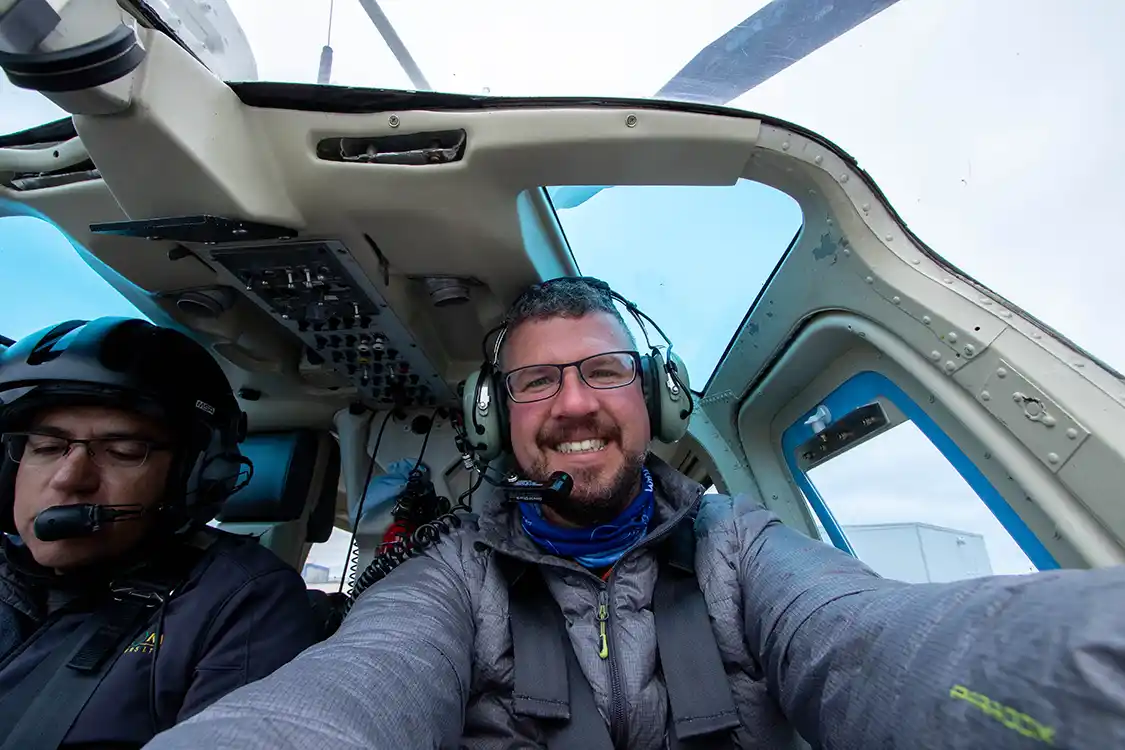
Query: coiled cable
[
  {"x": 406, "y": 507},
  {"x": 404, "y": 548},
  {"x": 351, "y": 562}
]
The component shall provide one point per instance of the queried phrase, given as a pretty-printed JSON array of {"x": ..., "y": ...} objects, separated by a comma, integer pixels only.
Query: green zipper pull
[{"x": 603, "y": 618}]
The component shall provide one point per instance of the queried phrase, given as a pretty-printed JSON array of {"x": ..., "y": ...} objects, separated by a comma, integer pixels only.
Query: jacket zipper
[
  {"x": 603, "y": 619},
  {"x": 608, "y": 649},
  {"x": 607, "y": 645}
]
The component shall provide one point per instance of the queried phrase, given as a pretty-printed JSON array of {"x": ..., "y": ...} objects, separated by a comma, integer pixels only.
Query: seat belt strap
[
  {"x": 586, "y": 729},
  {"x": 541, "y": 671},
  {"x": 702, "y": 708},
  {"x": 62, "y": 687},
  {"x": 50, "y": 716},
  {"x": 549, "y": 683},
  {"x": 121, "y": 619},
  {"x": 14, "y": 705}
]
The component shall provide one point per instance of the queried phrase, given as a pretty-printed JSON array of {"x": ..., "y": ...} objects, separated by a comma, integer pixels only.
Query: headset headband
[{"x": 639, "y": 315}]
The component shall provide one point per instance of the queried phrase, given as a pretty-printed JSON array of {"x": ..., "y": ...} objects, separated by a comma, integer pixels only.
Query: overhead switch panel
[{"x": 318, "y": 290}]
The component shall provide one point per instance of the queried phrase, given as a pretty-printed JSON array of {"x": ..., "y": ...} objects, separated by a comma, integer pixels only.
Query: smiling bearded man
[{"x": 576, "y": 400}]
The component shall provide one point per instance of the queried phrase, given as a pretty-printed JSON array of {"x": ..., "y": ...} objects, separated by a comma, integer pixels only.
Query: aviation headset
[
  {"x": 664, "y": 381},
  {"x": 132, "y": 364}
]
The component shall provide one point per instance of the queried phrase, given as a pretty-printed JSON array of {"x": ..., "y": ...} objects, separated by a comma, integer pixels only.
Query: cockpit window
[
  {"x": 959, "y": 101},
  {"x": 693, "y": 258},
  {"x": 326, "y": 563},
  {"x": 21, "y": 109},
  {"x": 963, "y": 112},
  {"x": 43, "y": 280}
]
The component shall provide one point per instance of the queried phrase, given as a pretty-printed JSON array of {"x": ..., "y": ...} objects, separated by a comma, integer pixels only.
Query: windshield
[
  {"x": 580, "y": 48},
  {"x": 21, "y": 109},
  {"x": 45, "y": 282},
  {"x": 641, "y": 238},
  {"x": 991, "y": 127}
]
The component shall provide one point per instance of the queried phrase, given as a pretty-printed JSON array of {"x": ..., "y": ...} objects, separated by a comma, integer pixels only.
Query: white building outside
[{"x": 920, "y": 552}]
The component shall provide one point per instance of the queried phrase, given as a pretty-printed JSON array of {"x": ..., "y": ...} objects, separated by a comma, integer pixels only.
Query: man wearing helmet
[{"x": 121, "y": 612}]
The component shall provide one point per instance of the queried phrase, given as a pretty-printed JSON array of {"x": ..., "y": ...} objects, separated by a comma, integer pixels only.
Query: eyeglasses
[
  {"x": 600, "y": 371},
  {"x": 39, "y": 449}
]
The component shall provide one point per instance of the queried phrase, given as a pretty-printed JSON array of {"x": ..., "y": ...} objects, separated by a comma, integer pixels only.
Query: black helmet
[{"x": 131, "y": 364}]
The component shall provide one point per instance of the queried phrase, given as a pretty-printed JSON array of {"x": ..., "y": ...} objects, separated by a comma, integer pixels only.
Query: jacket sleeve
[
  {"x": 396, "y": 674},
  {"x": 263, "y": 624},
  {"x": 859, "y": 661}
]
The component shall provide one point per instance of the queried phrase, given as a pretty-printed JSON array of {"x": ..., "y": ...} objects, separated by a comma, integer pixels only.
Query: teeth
[{"x": 581, "y": 446}]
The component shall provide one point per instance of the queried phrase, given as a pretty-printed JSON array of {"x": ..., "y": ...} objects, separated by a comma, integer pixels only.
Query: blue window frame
[{"x": 866, "y": 388}]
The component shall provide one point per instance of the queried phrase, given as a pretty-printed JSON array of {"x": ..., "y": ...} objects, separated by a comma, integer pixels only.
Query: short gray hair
[{"x": 564, "y": 297}]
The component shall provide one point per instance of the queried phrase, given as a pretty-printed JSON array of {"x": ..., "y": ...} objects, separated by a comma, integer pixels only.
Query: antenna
[
  {"x": 394, "y": 43},
  {"x": 324, "y": 73}
]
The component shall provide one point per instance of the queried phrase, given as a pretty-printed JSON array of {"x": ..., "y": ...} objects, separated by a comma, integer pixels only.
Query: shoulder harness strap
[
  {"x": 549, "y": 683},
  {"x": 56, "y": 691},
  {"x": 702, "y": 708}
]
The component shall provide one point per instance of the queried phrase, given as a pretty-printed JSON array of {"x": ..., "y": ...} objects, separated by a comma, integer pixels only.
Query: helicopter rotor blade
[{"x": 777, "y": 36}]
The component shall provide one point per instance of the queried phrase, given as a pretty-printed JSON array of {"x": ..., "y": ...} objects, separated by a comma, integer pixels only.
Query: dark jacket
[
  {"x": 811, "y": 639},
  {"x": 241, "y": 613}
]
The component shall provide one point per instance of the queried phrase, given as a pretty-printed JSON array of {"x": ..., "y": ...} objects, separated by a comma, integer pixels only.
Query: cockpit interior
[{"x": 344, "y": 248}]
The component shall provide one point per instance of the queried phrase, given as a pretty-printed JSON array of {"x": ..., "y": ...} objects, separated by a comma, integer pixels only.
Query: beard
[{"x": 595, "y": 499}]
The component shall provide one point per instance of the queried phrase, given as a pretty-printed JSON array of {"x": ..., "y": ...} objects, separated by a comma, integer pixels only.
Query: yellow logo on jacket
[
  {"x": 145, "y": 643},
  {"x": 1008, "y": 716}
]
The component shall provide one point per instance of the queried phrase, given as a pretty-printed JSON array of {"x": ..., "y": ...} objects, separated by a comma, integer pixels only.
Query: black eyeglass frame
[{"x": 577, "y": 365}]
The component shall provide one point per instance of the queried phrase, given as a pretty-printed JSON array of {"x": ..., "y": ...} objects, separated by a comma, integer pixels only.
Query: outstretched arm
[
  {"x": 858, "y": 661},
  {"x": 396, "y": 674}
]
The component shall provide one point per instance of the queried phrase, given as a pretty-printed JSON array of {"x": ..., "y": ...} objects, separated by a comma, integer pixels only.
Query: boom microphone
[
  {"x": 73, "y": 521},
  {"x": 554, "y": 490}
]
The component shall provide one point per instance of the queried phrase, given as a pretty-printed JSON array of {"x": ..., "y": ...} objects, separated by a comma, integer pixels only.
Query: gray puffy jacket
[{"x": 812, "y": 640}]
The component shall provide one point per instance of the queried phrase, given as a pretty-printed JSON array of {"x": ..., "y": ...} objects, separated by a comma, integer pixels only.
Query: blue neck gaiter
[{"x": 596, "y": 547}]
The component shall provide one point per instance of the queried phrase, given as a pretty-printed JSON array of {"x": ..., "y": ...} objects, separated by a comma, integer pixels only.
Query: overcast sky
[{"x": 991, "y": 126}]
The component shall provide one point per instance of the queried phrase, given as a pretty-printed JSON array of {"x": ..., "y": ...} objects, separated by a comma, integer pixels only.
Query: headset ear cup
[
  {"x": 214, "y": 477},
  {"x": 500, "y": 394},
  {"x": 673, "y": 403},
  {"x": 8, "y": 469},
  {"x": 485, "y": 426},
  {"x": 649, "y": 387}
]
